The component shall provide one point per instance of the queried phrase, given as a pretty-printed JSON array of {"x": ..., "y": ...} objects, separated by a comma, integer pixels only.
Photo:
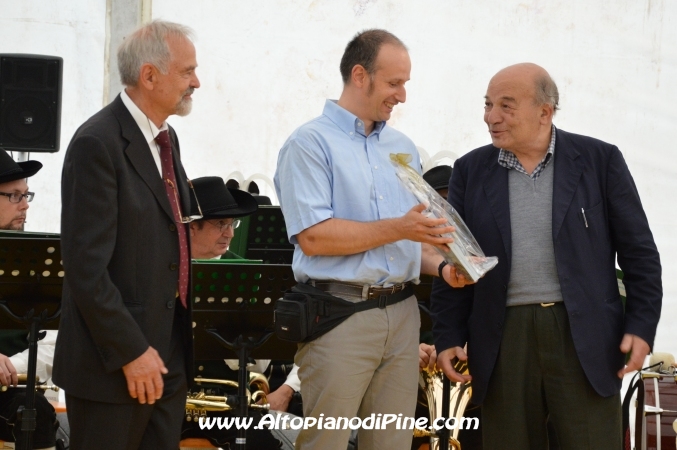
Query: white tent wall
[
  {"x": 267, "y": 66},
  {"x": 74, "y": 30}
]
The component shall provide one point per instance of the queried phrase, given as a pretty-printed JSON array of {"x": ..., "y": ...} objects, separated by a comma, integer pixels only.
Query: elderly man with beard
[{"x": 124, "y": 351}]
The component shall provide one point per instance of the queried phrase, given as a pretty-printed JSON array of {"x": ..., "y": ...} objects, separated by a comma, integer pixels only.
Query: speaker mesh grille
[{"x": 30, "y": 102}]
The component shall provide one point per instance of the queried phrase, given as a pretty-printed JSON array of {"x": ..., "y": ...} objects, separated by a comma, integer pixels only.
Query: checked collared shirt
[{"x": 507, "y": 159}]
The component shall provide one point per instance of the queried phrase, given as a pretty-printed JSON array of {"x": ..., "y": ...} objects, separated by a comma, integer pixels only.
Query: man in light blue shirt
[{"x": 357, "y": 231}]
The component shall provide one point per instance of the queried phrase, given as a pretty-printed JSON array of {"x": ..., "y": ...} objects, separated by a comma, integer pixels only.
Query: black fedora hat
[
  {"x": 11, "y": 170},
  {"x": 438, "y": 177},
  {"x": 219, "y": 202}
]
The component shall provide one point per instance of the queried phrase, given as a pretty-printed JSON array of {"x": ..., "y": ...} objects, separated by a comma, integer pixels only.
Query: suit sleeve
[
  {"x": 637, "y": 254},
  {"x": 451, "y": 307},
  {"x": 89, "y": 220}
]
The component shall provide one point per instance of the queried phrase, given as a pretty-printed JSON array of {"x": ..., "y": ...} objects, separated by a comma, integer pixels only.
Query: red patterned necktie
[{"x": 173, "y": 195}]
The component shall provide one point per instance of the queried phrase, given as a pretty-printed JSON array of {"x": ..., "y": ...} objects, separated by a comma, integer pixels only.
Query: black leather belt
[{"x": 384, "y": 295}]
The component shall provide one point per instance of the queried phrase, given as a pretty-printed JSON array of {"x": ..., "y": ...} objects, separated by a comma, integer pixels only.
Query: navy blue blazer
[{"x": 590, "y": 175}]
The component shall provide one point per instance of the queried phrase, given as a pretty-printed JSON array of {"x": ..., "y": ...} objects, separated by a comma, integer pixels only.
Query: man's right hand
[
  {"x": 144, "y": 376},
  {"x": 7, "y": 372},
  {"x": 419, "y": 228},
  {"x": 444, "y": 362}
]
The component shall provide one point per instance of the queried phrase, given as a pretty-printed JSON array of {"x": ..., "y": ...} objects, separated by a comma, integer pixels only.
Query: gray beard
[{"x": 183, "y": 107}]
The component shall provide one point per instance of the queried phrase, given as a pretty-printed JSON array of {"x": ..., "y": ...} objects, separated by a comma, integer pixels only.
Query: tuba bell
[{"x": 430, "y": 383}]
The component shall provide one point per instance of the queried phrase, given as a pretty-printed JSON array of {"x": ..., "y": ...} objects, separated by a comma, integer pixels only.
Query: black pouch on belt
[{"x": 306, "y": 313}]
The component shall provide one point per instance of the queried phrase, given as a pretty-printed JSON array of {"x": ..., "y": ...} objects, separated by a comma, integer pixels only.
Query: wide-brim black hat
[
  {"x": 438, "y": 177},
  {"x": 219, "y": 202},
  {"x": 11, "y": 170}
]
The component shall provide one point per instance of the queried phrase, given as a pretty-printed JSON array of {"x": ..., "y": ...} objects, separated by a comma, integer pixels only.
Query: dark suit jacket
[
  {"x": 120, "y": 254},
  {"x": 589, "y": 174}
]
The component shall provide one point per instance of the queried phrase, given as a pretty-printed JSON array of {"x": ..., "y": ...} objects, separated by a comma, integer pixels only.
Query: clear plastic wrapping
[{"x": 464, "y": 253}]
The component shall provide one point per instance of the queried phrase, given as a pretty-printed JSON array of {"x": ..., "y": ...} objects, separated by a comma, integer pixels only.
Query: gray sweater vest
[{"x": 533, "y": 272}]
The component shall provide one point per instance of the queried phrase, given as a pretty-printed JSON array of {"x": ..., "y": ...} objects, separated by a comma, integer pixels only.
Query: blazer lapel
[
  {"x": 568, "y": 170},
  {"x": 139, "y": 155},
  {"x": 496, "y": 190}
]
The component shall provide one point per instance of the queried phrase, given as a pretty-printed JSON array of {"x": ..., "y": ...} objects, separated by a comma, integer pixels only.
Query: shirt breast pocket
[{"x": 406, "y": 200}]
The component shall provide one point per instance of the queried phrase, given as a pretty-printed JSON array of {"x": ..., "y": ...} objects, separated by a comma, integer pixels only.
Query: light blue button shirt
[{"x": 328, "y": 169}]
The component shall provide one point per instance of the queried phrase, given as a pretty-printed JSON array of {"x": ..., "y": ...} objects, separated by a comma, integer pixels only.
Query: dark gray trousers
[{"x": 538, "y": 376}]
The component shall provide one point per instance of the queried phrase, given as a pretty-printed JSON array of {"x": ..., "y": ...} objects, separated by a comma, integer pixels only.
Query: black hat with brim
[
  {"x": 438, "y": 177},
  {"x": 219, "y": 202},
  {"x": 11, "y": 170}
]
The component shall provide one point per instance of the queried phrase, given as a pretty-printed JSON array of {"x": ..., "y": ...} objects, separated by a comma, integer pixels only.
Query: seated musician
[
  {"x": 14, "y": 198},
  {"x": 210, "y": 239}
]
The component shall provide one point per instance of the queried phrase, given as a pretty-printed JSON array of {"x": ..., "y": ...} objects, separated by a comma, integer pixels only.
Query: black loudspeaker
[{"x": 30, "y": 102}]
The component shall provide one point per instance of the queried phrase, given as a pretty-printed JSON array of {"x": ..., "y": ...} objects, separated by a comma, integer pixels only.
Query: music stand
[
  {"x": 267, "y": 237},
  {"x": 31, "y": 274},
  {"x": 233, "y": 305}
]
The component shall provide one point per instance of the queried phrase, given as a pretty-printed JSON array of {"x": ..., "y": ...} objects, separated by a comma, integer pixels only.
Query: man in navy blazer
[
  {"x": 124, "y": 354},
  {"x": 546, "y": 331}
]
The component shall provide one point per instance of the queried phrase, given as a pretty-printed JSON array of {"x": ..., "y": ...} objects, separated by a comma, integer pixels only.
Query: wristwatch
[{"x": 440, "y": 267}]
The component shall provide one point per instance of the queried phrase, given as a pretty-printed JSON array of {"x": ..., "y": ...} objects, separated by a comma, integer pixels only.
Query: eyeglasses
[
  {"x": 185, "y": 219},
  {"x": 223, "y": 226},
  {"x": 16, "y": 197}
]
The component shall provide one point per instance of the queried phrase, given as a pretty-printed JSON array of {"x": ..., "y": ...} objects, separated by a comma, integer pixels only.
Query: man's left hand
[
  {"x": 455, "y": 278},
  {"x": 639, "y": 349}
]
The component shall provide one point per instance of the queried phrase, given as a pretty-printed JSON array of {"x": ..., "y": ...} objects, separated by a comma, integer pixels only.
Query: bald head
[
  {"x": 545, "y": 90},
  {"x": 519, "y": 106}
]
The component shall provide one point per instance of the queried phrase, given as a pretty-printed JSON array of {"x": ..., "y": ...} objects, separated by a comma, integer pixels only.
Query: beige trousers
[{"x": 368, "y": 364}]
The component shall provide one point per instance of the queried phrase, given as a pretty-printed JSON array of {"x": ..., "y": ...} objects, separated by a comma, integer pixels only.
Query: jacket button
[
  {"x": 170, "y": 304},
  {"x": 172, "y": 227},
  {"x": 173, "y": 266},
  {"x": 505, "y": 288}
]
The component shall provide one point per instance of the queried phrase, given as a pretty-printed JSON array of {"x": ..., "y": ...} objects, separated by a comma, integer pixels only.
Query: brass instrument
[
  {"x": 430, "y": 382},
  {"x": 197, "y": 404},
  {"x": 23, "y": 378},
  {"x": 39, "y": 387}
]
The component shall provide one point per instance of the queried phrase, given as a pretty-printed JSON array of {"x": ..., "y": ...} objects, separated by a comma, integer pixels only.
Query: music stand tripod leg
[{"x": 26, "y": 413}]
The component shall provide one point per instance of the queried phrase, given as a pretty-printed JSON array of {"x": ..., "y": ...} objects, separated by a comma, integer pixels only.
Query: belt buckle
[
  {"x": 382, "y": 301},
  {"x": 546, "y": 305}
]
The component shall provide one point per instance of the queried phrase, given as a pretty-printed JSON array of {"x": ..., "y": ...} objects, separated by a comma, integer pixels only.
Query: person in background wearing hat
[
  {"x": 14, "y": 199},
  {"x": 438, "y": 178},
  {"x": 262, "y": 200},
  {"x": 210, "y": 237}
]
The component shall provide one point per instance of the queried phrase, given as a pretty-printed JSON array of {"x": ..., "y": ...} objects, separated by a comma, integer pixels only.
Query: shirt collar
[
  {"x": 147, "y": 127},
  {"x": 503, "y": 157},
  {"x": 348, "y": 122}
]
